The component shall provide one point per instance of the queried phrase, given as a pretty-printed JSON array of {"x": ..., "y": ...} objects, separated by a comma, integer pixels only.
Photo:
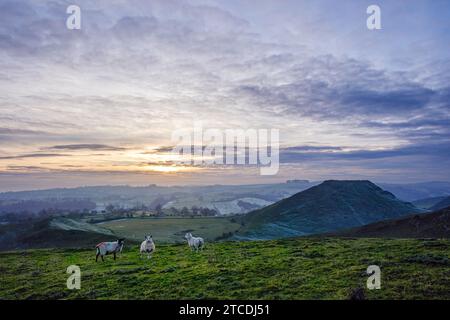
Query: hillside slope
[
  {"x": 281, "y": 269},
  {"x": 444, "y": 203},
  {"x": 416, "y": 191},
  {"x": 428, "y": 225},
  {"x": 428, "y": 203},
  {"x": 330, "y": 206},
  {"x": 51, "y": 233}
]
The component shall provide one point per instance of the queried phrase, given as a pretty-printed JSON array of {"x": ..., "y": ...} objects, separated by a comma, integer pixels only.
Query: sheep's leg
[
  {"x": 96, "y": 257},
  {"x": 103, "y": 260},
  {"x": 114, "y": 256}
]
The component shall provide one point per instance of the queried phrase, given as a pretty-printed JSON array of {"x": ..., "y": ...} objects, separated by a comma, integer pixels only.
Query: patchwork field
[
  {"x": 172, "y": 230},
  {"x": 279, "y": 269}
]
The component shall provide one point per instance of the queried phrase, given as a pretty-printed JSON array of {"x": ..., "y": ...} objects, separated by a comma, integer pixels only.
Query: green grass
[
  {"x": 171, "y": 230},
  {"x": 280, "y": 269}
]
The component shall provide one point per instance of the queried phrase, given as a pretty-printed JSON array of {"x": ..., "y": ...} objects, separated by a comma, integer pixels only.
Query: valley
[
  {"x": 173, "y": 229},
  {"x": 317, "y": 244}
]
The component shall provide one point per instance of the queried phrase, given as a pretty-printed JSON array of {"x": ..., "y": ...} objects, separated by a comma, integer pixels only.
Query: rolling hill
[
  {"x": 225, "y": 199},
  {"x": 428, "y": 203},
  {"x": 52, "y": 233},
  {"x": 416, "y": 191},
  {"x": 330, "y": 206},
  {"x": 444, "y": 203},
  {"x": 428, "y": 225}
]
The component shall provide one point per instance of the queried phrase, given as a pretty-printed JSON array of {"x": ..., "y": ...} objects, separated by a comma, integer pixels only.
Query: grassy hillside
[
  {"x": 172, "y": 229},
  {"x": 281, "y": 269},
  {"x": 427, "y": 225},
  {"x": 50, "y": 233},
  {"x": 330, "y": 206}
]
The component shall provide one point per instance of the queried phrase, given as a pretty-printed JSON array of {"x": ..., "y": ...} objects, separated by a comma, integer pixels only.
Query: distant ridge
[
  {"x": 330, "y": 206},
  {"x": 428, "y": 203},
  {"x": 444, "y": 203},
  {"x": 428, "y": 225}
]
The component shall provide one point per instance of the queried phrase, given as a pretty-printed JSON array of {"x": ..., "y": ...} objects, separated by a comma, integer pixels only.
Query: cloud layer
[{"x": 347, "y": 100}]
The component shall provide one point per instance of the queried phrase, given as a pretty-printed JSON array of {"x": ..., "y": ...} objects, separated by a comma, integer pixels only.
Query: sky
[{"x": 99, "y": 105}]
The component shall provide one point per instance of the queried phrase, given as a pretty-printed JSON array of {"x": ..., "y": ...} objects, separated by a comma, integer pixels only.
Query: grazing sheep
[
  {"x": 195, "y": 243},
  {"x": 147, "y": 246},
  {"x": 105, "y": 248}
]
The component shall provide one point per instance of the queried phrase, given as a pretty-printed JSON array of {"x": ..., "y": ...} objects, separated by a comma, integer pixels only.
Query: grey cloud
[
  {"x": 328, "y": 87},
  {"x": 87, "y": 147},
  {"x": 175, "y": 60},
  {"x": 34, "y": 155},
  {"x": 415, "y": 123},
  {"x": 312, "y": 148},
  {"x": 12, "y": 131},
  {"x": 396, "y": 101},
  {"x": 435, "y": 150},
  {"x": 25, "y": 168}
]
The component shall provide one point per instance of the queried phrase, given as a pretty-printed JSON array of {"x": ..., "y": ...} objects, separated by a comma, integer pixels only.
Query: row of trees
[
  {"x": 160, "y": 211},
  {"x": 110, "y": 212}
]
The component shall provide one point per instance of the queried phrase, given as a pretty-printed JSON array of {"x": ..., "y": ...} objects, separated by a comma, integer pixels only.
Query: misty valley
[{"x": 313, "y": 221}]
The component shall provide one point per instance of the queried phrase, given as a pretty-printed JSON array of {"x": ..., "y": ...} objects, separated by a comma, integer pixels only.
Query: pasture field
[
  {"x": 171, "y": 229},
  {"x": 278, "y": 269}
]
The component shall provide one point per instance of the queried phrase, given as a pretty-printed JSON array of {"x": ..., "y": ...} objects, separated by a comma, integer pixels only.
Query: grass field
[
  {"x": 171, "y": 230},
  {"x": 280, "y": 269}
]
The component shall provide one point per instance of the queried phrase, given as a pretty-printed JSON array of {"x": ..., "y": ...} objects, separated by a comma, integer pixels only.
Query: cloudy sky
[{"x": 99, "y": 105}]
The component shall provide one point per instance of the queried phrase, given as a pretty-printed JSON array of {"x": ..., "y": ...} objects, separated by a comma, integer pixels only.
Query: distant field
[
  {"x": 279, "y": 269},
  {"x": 171, "y": 230}
]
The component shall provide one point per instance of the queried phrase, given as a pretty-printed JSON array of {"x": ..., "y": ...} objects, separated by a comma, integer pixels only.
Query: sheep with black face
[{"x": 105, "y": 248}]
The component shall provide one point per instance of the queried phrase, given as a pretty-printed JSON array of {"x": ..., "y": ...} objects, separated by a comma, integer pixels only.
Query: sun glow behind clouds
[
  {"x": 121, "y": 160},
  {"x": 107, "y": 98},
  {"x": 169, "y": 169}
]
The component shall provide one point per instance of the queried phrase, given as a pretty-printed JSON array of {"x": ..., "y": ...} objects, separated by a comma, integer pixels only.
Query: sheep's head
[
  {"x": 188, "y": 236},
  {"x": 149, "y": 238},
  {"x": 120, "y": 241}
]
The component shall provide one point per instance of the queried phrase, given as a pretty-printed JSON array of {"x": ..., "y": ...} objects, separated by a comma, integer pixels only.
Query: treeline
[
  {"x": 144, "y": 210},
  {"x": 26, "y": 209},
  {"x": 193, "y": 211}
]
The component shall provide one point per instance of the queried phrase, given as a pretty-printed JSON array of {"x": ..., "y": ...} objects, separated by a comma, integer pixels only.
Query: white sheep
[
  {"x": 105, "y": 248},
  {"x": 147, "y": 246},
  {"x": 195, "y": 243}
]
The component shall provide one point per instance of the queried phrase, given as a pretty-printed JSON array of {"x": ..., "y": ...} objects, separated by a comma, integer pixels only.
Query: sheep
[
  {"x": 147, "y": 246},
  {"x": 195, "y": 243},
  {"x": 105, "y": 248}
]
